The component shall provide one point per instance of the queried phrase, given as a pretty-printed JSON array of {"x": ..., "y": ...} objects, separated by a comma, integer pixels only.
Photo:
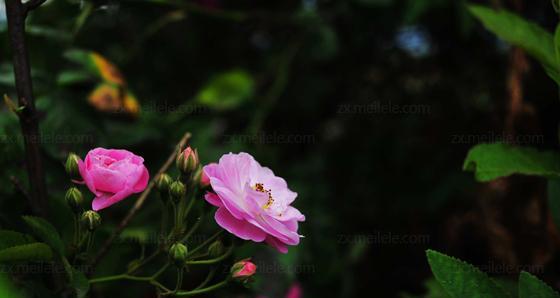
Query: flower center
[{"x": 260, "y": 188}]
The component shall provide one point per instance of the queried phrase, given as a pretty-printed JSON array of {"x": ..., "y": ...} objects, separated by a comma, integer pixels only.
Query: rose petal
[
  {"x": 213, "y": 199},
  {"x": 143, "y": 181},
  {"x": 239, "y": 228},
  {"x": 281, "y": 247}
]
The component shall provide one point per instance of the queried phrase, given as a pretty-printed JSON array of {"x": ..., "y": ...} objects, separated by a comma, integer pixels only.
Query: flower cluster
[{"x": 252, "y": 204}]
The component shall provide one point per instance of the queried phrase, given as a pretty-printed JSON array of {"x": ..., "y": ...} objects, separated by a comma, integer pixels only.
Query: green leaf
[
  {"x": 26, "y": 252},
  {"x": 74, "y": 76},
  {"x": 491, "y": 161},
  {"x": 227, "y": 90},
  {"x": 460, "y": 279},
  {"x": 510, "y": 286},
  {"x": 79, "y": 56},
  {"x": 11, "y": 238},
  {"x": 6, "y": 288},
  {"x": 80, "y": 283},
  {"x": 513, "y": 29},
  {"x": 532, "y": 287},
  {"x": 557, "y": 45},
  {"x": 46, "y": 232},
  {"x": 553, "y": 197}
]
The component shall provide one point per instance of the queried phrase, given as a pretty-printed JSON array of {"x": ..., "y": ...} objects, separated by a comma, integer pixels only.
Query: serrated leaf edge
[{"x": 470, "y": 266}]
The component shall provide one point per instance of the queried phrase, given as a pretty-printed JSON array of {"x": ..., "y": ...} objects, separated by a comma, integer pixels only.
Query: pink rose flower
[
  {"x": 112, "y": 175},
  {"x": 253, "y": 203}
]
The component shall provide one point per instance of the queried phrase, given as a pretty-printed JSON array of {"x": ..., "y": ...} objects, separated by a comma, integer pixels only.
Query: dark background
[{"x": 366, "y": 107}]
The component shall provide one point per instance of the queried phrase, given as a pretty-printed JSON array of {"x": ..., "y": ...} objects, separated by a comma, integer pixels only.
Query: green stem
[
  {"x": 157, "y": 274},
  {"x": 189, "y": 207},
  {"x": 212, "y": 261},
  {"x": 76, "y": 238},
  {"x": 179, "y": 280},
  {"x": 175, "y": 211},
  {"x": 192, "y": 230},
  {"x": 128, "y": 276},
  {"x": 119, "y": 277},
  {"x": 203, "y": 290},
  {"x": 145, "y": 261},
  {"x": 207, "y": 279},
  {"x": 208, "y": 241},
  {"x": 165, "y": 216},
  {"x": 89, "y": 241}
]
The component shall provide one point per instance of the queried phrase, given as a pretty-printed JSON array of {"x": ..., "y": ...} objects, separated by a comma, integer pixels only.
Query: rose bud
[
  {"x": 90, "y": 220},
  {"x": 187, "y": 161},
  {"x": 178, "y": 254},
  {"x": 243, "y": 270},
  {"x": 162, "y": 183},
  {"x": 216, "y": 249},
  {"x": 204, "y": 180},
  {"x": 74, "y": 199},
  {"x": 177, "y": 190},
  {"x": 72, "y": 166}
]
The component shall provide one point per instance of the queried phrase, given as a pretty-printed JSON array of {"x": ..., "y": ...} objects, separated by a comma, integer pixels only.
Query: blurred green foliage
[{"x": 291, "y": 83}]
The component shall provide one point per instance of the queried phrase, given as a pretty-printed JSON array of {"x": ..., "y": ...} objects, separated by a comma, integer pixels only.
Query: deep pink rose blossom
[
  {"x": 112, "y": 175},
  {"x": 252, "y": 202},
  {"x": 243, "y": 269}
]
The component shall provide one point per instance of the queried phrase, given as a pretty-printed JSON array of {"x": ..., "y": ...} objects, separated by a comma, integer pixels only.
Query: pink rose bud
[
  {"x": 187, "y": 161},
  {"x": 112, "y": 175},
  {"x": 204, "y": 180},
  {"x": 243, "y": 270}
]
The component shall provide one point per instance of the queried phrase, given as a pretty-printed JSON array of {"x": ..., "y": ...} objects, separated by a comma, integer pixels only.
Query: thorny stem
[{"x": 16, "y": 12}]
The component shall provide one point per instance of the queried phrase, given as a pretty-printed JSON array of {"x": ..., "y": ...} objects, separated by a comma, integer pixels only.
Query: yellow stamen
[{"x": 260, "y": 188}]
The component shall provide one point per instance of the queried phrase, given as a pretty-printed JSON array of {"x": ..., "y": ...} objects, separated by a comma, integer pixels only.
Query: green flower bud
[
  {"x": 187, "y": 161},
  {"x": 216, "y": 249},
  {"x": 162, "y": 183},
  {"x": 178, "y": 254},
  {"x": 74, "y": 199},
  {"x": 90, "y": 220},
  {"x": 177, "y": 190},
  {"x": 72, "y": 168}
]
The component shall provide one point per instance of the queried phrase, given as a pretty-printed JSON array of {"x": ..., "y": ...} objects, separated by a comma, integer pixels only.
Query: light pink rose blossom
[
  {"x": 253, "y": 203},
  {"x": 112, "y": 175}
]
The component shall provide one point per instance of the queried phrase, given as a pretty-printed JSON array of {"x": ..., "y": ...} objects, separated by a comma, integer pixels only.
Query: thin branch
[
  {"x": 32, "y": 4},
  {"x": 109, "y": 242},
  {"x": 16, "y": 12}
]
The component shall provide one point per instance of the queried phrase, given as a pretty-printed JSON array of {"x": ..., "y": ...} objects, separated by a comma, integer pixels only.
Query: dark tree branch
[
  {"x": 32, "y": 4},
  {"x": 16, "y": 12}
]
